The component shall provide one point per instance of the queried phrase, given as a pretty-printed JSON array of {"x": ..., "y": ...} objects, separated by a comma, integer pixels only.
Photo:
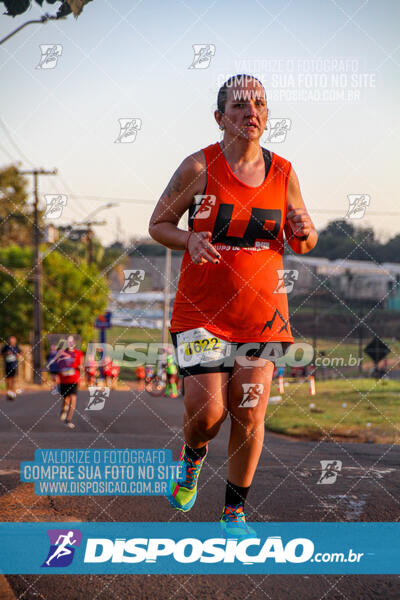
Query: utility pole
[
  {"x": 89, "y": 236},
  {"x": 360, "y": 342},
  {"x": 315, "y": 316},
  {"x": 37, "y": 277},
  {"x": 89, "y": 239},
  {"x": 168, "y": 254}
]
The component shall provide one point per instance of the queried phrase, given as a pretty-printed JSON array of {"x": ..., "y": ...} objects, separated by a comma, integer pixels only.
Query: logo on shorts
[
  {"x": 251, "y": 394},
  {"x": 63, "y": 543},
  {"x": 203, "y": 54},
  {"x": 286, "y": 277},
  {"x": 203, "y": 205},
  {"x": 128, "y": 129},
  {"x": 50, "y": 54},
  {"x": 357, "y": 205},
  {"x": 330, "y": 470},
  {"x": 97, "y": 397},
  {"x": 277, "y": 130},
  {"x": 133, "y": 279},
  {"x": 54, "y": 205}
]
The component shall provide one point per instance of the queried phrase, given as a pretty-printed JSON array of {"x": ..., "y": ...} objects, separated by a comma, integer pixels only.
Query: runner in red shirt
[
  {"x": 91, "y": 370},
  {"x": 107, "y": 370},
  {"x": 140, "y": 373},
  {"x": 241, "y": 200},
  {"x": 114, "y": 374},
  {"x": 69, "y": 361}
]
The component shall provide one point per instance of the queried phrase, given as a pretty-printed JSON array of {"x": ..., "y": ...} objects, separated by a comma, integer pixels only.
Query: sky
[{"x": 331, "y": 70}]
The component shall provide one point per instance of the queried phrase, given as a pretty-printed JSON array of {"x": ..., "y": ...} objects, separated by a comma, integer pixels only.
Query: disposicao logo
[
  {"x": 190, "y": 550},
  {"x": 62, "y": 547}
]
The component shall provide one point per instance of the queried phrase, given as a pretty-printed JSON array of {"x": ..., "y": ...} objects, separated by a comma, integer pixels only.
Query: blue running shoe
[{"x": 233, "y": 523}]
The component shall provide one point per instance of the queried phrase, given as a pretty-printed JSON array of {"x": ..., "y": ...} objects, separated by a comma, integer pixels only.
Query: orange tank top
[{"x": 240, "y": 299}]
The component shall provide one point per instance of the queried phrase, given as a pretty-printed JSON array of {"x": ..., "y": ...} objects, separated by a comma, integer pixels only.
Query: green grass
[
  {"x": 336, "y": 348},
  {"x": 332, "y": 348},
  {"x": 367, "y": 400},
  {"x": 128, "y": 335}
]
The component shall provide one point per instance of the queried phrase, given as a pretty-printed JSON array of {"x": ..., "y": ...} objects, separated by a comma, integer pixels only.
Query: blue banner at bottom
[{"x": 164, "y": 548}]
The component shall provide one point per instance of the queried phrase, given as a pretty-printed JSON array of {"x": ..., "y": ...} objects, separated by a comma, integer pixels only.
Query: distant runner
[
  {"x": 91, "y": 370},
  {"x": 69, "y": 361},
  {"x": 140, "y": 373},
  {"x": 171, "y": 370},
  {"x": 114, "y": 370},
  {"x": 11, "y": 352},
  {"x": 107, "y": 370},
  {"x": 149, "y": 374},
  {"x": 52, "y": 366}
]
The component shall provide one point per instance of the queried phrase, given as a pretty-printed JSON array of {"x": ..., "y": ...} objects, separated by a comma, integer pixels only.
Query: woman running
[
  {"x": 228, "y": 326},
  {"x": 69, "y": 362},
  {"x": 11, "y": 352},
  {"x": 52, "y": 367}
]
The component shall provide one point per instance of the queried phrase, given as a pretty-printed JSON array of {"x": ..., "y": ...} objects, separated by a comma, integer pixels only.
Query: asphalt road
[{"x": 285, "y": 489}]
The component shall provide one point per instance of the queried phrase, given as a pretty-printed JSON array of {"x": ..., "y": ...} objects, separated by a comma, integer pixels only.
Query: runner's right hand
[{"x": 200, "y": 248}]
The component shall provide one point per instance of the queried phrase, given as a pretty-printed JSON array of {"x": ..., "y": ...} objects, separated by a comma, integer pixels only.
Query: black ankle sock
[
  {"x": 234, "y": 494},
  {"x": 195, "y": 453}
]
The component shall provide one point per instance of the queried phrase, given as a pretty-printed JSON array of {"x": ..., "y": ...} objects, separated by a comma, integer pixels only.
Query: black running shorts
[
  {"x": 66, "y": 389},
  {"x": 194, "y": 353},
  {"x": 11, "y": 370}
]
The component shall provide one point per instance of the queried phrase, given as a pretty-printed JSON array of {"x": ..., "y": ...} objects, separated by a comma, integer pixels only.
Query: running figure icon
[{"x": 62, "y": 550}]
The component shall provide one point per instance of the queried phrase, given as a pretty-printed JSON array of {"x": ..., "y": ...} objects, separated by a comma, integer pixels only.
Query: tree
[
  {"x": 15, "y": 212},
  {"x": 391, "y": 251},
  {"x": 16, "y": 293},
  {"x": 341, "y": 228},
  {"x": 18, "y": 7},
  {"x": 341, "y": 239},
  {"x": 73, "y": 295},
  {"x": 115, "y": 256}
]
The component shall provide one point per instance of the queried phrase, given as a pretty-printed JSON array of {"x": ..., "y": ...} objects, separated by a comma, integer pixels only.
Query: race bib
[
  {"x": 11, "y": 358},
  {"x": 199, "y": 346},
  {"x": 67, "y": 372}
]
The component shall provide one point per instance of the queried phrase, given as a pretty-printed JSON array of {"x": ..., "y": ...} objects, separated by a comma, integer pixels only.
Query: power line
[
  {"x": 56, "y": 190},
  {"x": 67, "y": 188},
  {"x": 17, "y": 148},
  {"x": 13, "y": 160},
  {"x": 149, "y": 202},
  {"x": 105, "y": 198},
  {"x": 6, "y": 152},
  {"x": 152, "y": 203},
  {"x": 340, "y": 212}
]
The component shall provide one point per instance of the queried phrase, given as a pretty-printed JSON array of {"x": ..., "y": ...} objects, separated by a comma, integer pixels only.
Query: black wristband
[{"x": 302, "y": 238}]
